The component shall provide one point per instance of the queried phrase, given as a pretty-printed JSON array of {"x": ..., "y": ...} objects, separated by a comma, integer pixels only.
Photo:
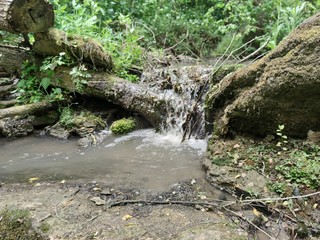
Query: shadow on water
[{"x": 142, "y": 157}]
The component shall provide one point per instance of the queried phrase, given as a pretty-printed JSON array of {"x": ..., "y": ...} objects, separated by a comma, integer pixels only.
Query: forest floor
[{"x": 78, "y": 210}]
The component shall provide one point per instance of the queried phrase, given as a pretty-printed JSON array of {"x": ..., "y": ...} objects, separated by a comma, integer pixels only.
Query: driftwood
[
  {"x": 21, "y": 16},
  {"x": 130, "y": 96},
  {"x": 53, "y": 42}
]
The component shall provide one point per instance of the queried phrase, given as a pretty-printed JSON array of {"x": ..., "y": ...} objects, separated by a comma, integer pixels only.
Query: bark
[
  {"x": 28, "y": 109},
  {"x": 11, "y": 60},
  {"x": 130, "y": 96},
  {"x": 54, "y": 41},
  {"x": 21, "y": 16}
]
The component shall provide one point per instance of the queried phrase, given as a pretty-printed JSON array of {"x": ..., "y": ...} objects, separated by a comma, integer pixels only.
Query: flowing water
[{"x": 143, "y": 157}]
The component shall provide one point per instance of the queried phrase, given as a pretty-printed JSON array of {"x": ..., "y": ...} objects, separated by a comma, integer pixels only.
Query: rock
[
  {"x": 313, "y": 137},
  {"x": 235, "y": 179},
  {"x": 16, "y": 126},
  {"x": 59, "y": 132},
  {"x": 281, "y": 88},
  {"x": 98, "y": 201}
]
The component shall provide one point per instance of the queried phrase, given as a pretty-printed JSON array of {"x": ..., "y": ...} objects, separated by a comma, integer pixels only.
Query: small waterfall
[{"x": 182, "y": 88}]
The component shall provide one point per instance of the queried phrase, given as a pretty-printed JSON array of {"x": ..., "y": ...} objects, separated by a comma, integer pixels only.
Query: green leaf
[
  {"x": 45, "y": 83},
  {"x": 281, "y": 127}
]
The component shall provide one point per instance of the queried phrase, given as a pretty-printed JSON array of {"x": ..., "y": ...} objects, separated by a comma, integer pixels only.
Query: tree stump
[{"x": 26, "y": 16}]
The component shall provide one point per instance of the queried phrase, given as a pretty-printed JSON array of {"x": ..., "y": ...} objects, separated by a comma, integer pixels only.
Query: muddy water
[{"x": 143, "y": 158}]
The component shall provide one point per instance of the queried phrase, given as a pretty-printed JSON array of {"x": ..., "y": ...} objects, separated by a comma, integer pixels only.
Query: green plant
[
  {"x": 301, "y": 168},
  {"x": 16, "y": 224},
  {"x": 283, "y": 139},
  {"x": 35, "y": 83},
  {"x": 123, "y": 126},
  {"x": 79, "y": 77},
  {"x": 93, "y": 19}
]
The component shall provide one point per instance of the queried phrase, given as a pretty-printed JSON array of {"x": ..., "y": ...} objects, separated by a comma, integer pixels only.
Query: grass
[{"x": 16, "y": 224}]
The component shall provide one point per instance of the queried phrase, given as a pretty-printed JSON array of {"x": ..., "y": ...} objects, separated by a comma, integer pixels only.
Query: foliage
[
  {"x": 79, "y": 77},
  {"x": 90, "y": 19},
  {"x": 70, "y": 119},
  {"x": 288, "y": 165},
  {"x": 16, "y": 224},
  {"x": 123, "y": 126},
  {"x": 35, "y": 83}
]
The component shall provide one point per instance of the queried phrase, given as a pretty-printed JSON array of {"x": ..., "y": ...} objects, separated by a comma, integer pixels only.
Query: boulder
[{"x": 281, "y": 88}]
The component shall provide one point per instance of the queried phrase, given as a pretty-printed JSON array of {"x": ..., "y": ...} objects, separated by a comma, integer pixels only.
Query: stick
[{"x": 251, "y": 223}]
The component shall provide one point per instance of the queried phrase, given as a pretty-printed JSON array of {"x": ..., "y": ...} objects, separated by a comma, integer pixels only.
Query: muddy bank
[{"x": 69, "y": 213}]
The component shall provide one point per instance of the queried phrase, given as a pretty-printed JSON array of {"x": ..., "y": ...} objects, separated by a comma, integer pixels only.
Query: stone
[
  {"x": 98, "y": 201},
  {"x": 281, "y": 88}
]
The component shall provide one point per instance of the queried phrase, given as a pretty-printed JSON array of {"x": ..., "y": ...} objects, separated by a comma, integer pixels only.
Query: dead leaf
[
  {"x": 126, "y": 217},
  {"x": 31, "y": 180}
]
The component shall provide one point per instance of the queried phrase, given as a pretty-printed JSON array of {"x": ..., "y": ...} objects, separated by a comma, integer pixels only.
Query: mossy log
[
  {"x": 11, "y": 59},
  {"x": 130, "y": 96},
  {"x": 28, "y": 109},
  {"x": 53, "y": 42},
  {"x": 21, "y": 16}
]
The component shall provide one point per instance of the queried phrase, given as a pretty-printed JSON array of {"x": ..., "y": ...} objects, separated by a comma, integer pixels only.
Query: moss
[
  {"x": 16, "y": 224},
  {"x": 123, "y": 126}
]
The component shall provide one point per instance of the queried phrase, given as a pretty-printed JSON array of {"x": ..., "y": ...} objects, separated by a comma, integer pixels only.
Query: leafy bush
[
  {"x": 35, "y": 83},
  {"x": 123, "y": 126}
]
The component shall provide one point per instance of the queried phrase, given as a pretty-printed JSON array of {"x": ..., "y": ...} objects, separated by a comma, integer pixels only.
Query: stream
[{"x": 143, "y": 157}]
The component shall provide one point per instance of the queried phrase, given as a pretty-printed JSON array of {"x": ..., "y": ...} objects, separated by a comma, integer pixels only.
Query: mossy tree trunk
[
  {"x": 26, "y": 16},
  {"x": 54, "y": 41},
  {"x": 130, "y": 96}
]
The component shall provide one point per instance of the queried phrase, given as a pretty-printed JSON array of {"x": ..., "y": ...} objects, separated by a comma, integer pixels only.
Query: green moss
[
  {"x": 71, "y": 119},
  {"x": 16, "y": 224},
  {"x": 123, "y": 126}
]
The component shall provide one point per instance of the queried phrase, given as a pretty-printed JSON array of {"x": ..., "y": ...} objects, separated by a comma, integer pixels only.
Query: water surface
[{"x": 142, "y": 157}]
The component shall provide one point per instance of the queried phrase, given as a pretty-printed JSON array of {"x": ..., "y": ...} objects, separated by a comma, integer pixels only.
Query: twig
[
  {"x": 150, "y": 202},
  {"x": 280, "y": 199},
  {"x": 172, "y": 47},
  {"x": 65, "y": 221},
  {"x": 45, "y": 217},
  {"x": 251, "y": 223}
]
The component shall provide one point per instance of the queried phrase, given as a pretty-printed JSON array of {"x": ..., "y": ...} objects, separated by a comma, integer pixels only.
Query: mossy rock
[
  {"x": 123, "y": 126},
  {"x": 16, "y": 224}
]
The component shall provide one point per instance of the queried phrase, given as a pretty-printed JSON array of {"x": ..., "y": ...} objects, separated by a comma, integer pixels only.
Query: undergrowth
[
  {"x": 16, "y": 224},
  {"x": 288, "y": 164}
]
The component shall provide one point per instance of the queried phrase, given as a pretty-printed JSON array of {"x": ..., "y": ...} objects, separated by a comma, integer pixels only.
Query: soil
[{"x": 68, "y": 211}]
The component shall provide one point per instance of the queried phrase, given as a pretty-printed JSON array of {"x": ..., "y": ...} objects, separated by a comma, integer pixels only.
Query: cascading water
[
  {"x": 182, "y": 89},
  {"x": 144, "y": 157}
]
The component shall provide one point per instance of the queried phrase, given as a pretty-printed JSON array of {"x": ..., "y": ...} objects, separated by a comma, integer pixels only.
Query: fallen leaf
[
  {"x": 315, "y": 206},
  {"x": 63, "y": 181},
  {"x": 31, "y": 180},
  {"x": 126, "y": 217},
  {"x": 256, "y": 212}
]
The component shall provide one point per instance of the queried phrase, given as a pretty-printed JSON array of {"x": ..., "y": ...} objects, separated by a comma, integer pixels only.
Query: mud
[{"x": 67, "y": 210}]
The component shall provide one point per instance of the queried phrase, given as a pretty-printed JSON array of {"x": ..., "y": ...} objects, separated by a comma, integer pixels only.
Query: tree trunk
[
  {"x": 54, "y": 41},
  {"x": 130, "y": 96},
  {"x": 26, "y": 16},
  {"x": 28, "y": 109},
  {"x": 11, "y": 60}
]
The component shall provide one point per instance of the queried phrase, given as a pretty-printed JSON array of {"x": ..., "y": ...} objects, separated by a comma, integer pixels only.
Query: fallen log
[
  {"x": 28, "y": 109},
  {"x": 54, "y": 41},
  {"x": 11, "y": 59},
  {"x": 130, "y": 96},
  {"x": 21, "y": 16}
]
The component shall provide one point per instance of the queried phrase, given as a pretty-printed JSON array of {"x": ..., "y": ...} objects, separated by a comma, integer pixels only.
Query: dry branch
[
  {"x": 21, "y": 16},
  {"x": 54, "y": 41}
]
